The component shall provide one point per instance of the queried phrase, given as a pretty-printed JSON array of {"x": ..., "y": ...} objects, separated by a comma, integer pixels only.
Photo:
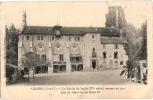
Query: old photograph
[
  {"x": 110, "y": 50},
  {"x": 75, "y": 43}
]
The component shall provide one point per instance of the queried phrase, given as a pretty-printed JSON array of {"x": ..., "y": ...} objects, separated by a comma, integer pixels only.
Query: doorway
[
  {"x": 73, "y": 68},
  {"x": 62, "y": 68},
  {"x": 93, "y": 64}
]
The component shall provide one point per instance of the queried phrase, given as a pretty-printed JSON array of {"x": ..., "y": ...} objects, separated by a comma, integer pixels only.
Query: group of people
[{"x": 136, "y": 74}]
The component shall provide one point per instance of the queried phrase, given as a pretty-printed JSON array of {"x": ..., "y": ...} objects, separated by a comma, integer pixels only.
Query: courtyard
[{"x": 104, "y": 77}]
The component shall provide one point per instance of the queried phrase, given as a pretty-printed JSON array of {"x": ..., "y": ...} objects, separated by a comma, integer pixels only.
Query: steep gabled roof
[{"x": 113, "y": 40}]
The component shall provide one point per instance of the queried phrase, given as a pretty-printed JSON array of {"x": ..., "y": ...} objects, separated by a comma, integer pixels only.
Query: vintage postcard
[{"x": 68, "y": 50}]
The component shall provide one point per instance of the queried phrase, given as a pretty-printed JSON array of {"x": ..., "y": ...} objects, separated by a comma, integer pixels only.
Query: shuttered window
[
  {"x": 61, "y": 57},
  {"x": 44, "y": 56}
]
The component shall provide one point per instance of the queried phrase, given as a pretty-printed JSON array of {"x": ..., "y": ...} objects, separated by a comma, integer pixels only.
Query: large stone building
[{"x": 73, "y": 48}]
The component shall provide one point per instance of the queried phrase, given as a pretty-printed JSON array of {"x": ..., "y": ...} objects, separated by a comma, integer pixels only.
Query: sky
[{"x": 72, "y": 14}]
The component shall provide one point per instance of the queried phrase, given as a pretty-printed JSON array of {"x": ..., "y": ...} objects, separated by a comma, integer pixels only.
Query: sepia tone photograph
[
  {"x": 75, "y": 43},
  {"x": 111, "y": 51}
]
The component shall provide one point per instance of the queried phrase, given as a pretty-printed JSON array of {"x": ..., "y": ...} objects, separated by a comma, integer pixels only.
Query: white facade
[{"x": 73, "y": 48}]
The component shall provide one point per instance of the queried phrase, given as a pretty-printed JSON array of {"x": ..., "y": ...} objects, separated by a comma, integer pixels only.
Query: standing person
[
  {"x": 139, "y": 74},
  {"x": 136, "y": 73},
  {"x": 129, "y": 72}
]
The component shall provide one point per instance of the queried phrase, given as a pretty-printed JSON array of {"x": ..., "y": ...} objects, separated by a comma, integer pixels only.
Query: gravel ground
[{"x": 105, "y": 77}]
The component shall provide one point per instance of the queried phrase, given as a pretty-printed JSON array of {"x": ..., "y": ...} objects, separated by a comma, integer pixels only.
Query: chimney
[{"x": 24, "y": 22}]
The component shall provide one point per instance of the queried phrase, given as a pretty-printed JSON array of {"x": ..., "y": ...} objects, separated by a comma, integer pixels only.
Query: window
[
  {"x": 104, "y": 55},
  {"x": 52, "y": 37},
  {"x": 104, "y": 46},
  {"x": 77, "y": 59},
  {"x": 41, "y": 37},
  {"x": 58, "y": 46},
  {"x": 93, "y": 52},
  {"x": 38, "y": 56},
  {"x": 61, "y": 57},
  {"x": 27, "y": 37},
  {"x": 115, "y": 55},
  {"x": 75, "y": 38},
  {"x": 116, "y": 63},
  {"x": 116, "y": 46},
  {"x": 69, "y": 38},
  {"x": 44, "y": 56},
  {"x": 78, "y": 38},
  {"x": 93, "y": 37},
  {"x": 38, "y": 37},
  {"x": 121, "y": 62},
  {"x": 40, "y": 46}
]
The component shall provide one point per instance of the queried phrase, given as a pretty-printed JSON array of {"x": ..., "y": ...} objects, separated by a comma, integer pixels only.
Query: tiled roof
[
  {"x": 77, "y": 30},
  {"x": 37, "y": 30},
  {"x": 108, "y": 31},
  {"x": 114, "y": 40}
]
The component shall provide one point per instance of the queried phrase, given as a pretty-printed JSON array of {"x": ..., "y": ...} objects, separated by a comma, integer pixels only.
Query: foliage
[
  {"x": 115, "y": 17},
  {"x": 136, "y": 48},
  {"x": 11, "y": 56},
  {"x": 31, "y": 60},
  {"x": 133, "y": 37},
  {"x": 142, "y": 55},
  {"x": 9, "y": 72},
  {"x": 12, "y": 45}
]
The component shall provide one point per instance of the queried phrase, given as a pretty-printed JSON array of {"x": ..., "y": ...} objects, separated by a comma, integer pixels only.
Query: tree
[
  {"x": 142, "y": 55},
  {"x": 115, "y": 17},
  {"x": 11, "y": 56},
  {"x": 30, "y": 60},
  {"x": 12, "y": 45},
  {"x": 9, "y": 73}
]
